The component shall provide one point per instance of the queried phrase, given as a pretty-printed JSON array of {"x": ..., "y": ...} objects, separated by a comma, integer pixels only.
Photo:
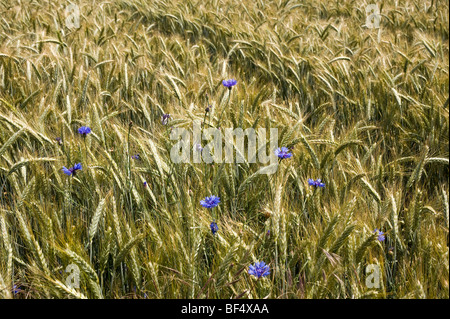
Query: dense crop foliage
[{"x": 366, "y": 110}]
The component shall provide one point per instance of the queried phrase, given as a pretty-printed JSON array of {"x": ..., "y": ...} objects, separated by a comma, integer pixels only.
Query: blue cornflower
[
  {"x": 59, "y": 140},
  {"x": 229, "y": 83},
  {"x": 316, "y": 183},
  {"x": 72, "y": 170},
  {"x": 145, "y": 184},
  {"x": 198, "y": 147},
  {"x": 260, "y": 269},
  {"x": 165, "y": 119},
  {"x": 16, "y": 289},
  {"x": 84, "y": 130},
  {"x": 136, "y": 157},
  {"x": 283, "y": 152},
  {"x": 380, "y": 234},
  {"x": 214, "y": 227},
  {"x": 210, "y": 202}
]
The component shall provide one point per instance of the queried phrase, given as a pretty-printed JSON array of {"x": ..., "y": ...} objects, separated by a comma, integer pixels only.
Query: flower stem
[{"x": 221, "y": 113}]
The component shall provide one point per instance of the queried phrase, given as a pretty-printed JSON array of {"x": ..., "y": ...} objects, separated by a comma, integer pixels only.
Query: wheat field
[{"x": 365, "y": 109}]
